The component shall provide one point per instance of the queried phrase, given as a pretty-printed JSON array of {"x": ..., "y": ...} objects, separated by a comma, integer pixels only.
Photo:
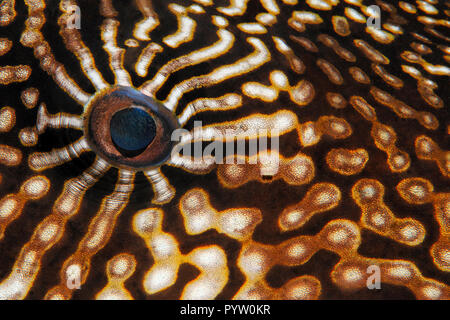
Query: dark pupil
[{"x": 132, "y": 130}]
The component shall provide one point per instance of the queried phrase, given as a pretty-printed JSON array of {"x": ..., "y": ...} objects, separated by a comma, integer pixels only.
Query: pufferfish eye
[{"x": 129, "y": 129}]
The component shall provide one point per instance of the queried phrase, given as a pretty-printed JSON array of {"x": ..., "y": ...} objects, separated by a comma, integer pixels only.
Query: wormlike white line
[
  {"x": 148, "y": 24},
  {"x": 144, "y": 27},
  {"x": 226, "y": 102},
  {"x": 146, "y": 57},
  {"x": 56, "y": 121},
  {"x": 192, "y": 165},
  {"x": 69, "y": 86},
  {"x": 260, "y": 56}
]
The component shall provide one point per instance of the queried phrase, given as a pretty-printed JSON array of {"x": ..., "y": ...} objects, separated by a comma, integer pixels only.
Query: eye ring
[{"x": 129, "y": 129}]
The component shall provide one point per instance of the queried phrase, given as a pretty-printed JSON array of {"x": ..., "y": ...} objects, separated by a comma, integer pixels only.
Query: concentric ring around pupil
[{"x": 132, "y": 130}]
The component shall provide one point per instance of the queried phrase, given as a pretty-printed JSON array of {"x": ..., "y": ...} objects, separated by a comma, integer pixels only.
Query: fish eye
[{"x": 129, "y": 129}]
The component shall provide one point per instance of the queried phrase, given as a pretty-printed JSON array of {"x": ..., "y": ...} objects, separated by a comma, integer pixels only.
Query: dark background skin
[{"x": 270, "y": 198}]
